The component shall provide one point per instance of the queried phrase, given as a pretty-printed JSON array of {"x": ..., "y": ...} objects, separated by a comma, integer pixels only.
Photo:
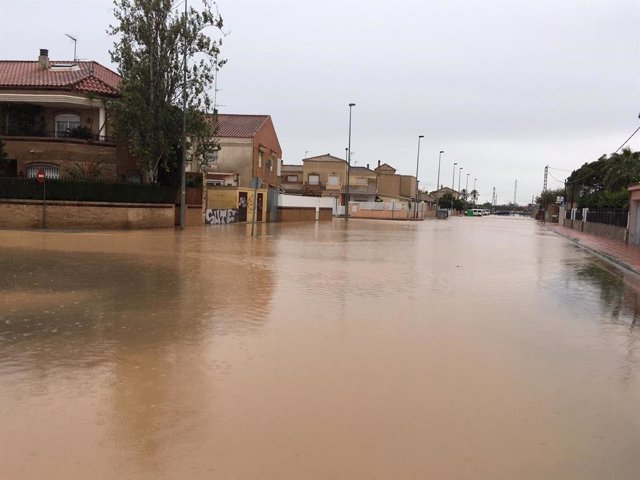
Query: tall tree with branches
[{"x": 150, "y": 39}]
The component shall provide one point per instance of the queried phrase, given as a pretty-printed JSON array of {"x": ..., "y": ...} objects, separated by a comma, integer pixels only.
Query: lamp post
[
  {"x": 453, "y": 184},
  {"x": 459, "y": 173},
  {"x": 346, "y": 196},
  {"x": 438, "y": 181},
  {"x": 466, "y": 189},
  {"x": 415, "y": 207}
]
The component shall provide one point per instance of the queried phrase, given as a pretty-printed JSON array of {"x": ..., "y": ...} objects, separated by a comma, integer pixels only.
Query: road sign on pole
[{"x": 41, "y": 177}]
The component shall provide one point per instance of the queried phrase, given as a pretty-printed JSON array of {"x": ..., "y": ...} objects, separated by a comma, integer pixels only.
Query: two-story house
[
  {"x": 394, "y": 187},
  {"x": 55, "y": 116},
  {"x": 249, "y": 148},
  {"x": 325, "y": 176},
  {"x": 362, "y": 184},
  {"x": 292, "y": 181}
]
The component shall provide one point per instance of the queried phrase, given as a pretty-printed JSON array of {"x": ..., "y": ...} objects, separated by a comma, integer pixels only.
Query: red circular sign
[{"x": 40, "y": 175}]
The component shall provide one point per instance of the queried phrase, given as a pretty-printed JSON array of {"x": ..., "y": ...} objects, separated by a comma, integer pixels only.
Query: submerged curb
[{"x": 599, "y": 253}]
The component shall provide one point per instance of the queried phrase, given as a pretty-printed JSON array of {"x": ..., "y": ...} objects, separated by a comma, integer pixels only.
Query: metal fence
[
  {"x": 383, "y": 206},
  {"x": 578, "y": 215},
  {"x": 73, "y": 134},
  {"x": 617, "y": 217}
]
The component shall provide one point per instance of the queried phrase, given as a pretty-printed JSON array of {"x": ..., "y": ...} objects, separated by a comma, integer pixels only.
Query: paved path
[{"x": 626, "y": 256}]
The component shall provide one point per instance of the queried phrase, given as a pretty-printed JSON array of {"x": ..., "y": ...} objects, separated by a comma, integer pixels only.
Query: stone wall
[{"x": 27, "y": 214}]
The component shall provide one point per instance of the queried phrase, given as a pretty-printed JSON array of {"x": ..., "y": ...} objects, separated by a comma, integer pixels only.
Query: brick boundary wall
[
  {"x": 302, "y": 214},
  {"x": 27, "y": 214},
  {"x": 385, "y": 214},
  {"x": 610, "y": 232}
]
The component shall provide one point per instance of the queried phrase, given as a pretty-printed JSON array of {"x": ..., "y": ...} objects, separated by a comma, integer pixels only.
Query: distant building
[
  {"x": 363, "y": 184},
  {"x": 445, "y": 190},
  {"x": 292, "y": 181},
  {"x": 394, "y": 187},
  {"x": 325, "y": 176},
  {"x": 249, "y": 148}
]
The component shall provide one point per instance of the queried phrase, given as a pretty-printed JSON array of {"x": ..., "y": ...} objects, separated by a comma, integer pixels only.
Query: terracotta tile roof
[
  {"x": 324, "y": 158},
  {"x": 356, "y": 169},
  {"x": 82, "y": 77},
  {"x": 239, "y": 126},
  {"x": 385, "y": 167}
]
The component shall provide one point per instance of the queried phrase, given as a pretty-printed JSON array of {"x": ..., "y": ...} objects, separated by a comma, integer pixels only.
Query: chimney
[
  {"x": 43, "y": 59},
  {"x": 378, "y": 163},
  {"x": 367, "y": 166}
]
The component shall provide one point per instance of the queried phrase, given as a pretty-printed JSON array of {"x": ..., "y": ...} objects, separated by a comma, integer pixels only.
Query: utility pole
[
  {"x": 546, "y": 173},
  {"x": 183, "y": 162},
  {"x": 493, "y": 197},
  {"x": 346, "y": 197},
  {"x": 438, "y": 181},
  {"x": 515, "y": 191}
]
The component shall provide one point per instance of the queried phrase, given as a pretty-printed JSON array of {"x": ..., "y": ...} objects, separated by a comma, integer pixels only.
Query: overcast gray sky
[{"x": 505, "y": 87}]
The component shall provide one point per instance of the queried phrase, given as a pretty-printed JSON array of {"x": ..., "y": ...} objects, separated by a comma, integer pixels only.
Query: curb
[{"x": 598, "y": 253}]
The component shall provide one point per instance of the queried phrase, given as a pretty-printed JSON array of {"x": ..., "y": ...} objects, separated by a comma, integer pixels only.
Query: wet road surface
[{"x": 468, "y": 348}]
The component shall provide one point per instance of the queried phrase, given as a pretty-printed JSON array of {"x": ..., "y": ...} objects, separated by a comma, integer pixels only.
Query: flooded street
[{"x": 469, "y": 348}]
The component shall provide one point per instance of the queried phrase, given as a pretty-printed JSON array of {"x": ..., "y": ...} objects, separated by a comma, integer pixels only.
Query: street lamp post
[
  {"x": 346, "y": 197},
  {"x": 459, "y": 173},
  {"x": 453, "y": 184},
  {"x": 438, "y": 181},
  {"x": 466, "y": 189},
  {"x": 415, "y": 207}
]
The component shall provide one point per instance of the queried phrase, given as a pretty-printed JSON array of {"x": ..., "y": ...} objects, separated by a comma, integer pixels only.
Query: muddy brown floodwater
[{"x": 472, "y": 348}]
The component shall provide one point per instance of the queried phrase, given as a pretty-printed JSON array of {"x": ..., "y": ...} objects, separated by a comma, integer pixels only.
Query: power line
[
  {"x": 559, "y": 181},
  {"x": 627, "y": 140}
]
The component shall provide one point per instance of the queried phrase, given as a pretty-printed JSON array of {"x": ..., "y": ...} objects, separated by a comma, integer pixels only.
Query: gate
[{"x": 242, "y": 206}]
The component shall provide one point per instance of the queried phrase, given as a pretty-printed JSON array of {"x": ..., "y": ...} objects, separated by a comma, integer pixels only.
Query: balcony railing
[{"x": 68, "y": 134}]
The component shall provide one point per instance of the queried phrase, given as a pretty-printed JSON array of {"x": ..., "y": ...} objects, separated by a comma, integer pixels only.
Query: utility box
[{"x": 442, "y": 214}]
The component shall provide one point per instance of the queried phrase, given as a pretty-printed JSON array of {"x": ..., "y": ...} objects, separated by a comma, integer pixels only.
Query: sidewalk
[{"x": 623, "y": 255}]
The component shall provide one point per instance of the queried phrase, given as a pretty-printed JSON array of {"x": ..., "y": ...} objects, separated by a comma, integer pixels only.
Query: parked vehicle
[{"x": 474, "y": 212}]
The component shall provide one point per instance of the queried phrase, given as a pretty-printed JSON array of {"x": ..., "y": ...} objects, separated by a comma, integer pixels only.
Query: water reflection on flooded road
[{"x": 468, "y": 348}]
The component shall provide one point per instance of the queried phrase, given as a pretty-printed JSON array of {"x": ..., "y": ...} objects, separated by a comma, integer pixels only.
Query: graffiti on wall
[{"x": 221, "y": 216}]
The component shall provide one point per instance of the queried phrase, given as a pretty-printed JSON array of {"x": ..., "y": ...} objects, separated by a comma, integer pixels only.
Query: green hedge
[{"x": 72, "y": 190}]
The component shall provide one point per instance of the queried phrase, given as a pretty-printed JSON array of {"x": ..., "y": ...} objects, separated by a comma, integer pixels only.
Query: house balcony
[
  {"x": 77, "y": 135},
  {"x": 63, "y": 154},
  {"x": 361, "y": 189},
  {"x": 294, "y": 188},
  {"x": 312, "y": 190}
]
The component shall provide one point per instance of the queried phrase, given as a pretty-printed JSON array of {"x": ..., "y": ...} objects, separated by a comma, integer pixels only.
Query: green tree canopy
[
  {"x": 603, "y": 183},
  {"x": 151, "y": 37},
  {"x": 549, "y": 197},
  {"x": 445, "y": 202}
]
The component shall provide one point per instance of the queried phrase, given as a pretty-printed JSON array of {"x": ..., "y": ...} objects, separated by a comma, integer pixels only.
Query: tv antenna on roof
[{"x": 75, "y": 45}]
